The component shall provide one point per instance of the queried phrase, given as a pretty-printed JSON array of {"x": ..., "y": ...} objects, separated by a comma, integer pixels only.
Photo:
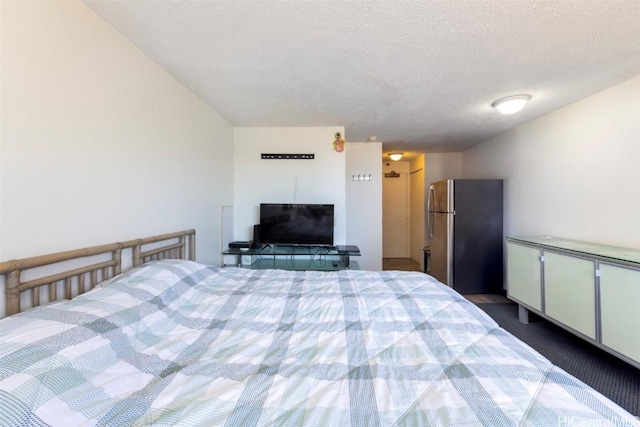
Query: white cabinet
[
  {"x": 524, "y": 275},
  {"x": 589, "y": 289},
  {"x": 569, "y": 291},
  {"x": 620, "y": 309}
]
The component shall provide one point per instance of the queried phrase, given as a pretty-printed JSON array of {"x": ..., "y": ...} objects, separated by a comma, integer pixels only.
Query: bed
[{"x": 176, "y": 342}]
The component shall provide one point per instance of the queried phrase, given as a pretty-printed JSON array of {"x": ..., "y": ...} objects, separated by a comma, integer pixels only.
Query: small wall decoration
[{"x": 338, "y": 143}]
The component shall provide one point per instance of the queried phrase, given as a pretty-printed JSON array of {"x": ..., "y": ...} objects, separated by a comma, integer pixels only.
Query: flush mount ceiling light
[
  {"x": 511, "y": 104},
  {"x": 395, "y": 156}
]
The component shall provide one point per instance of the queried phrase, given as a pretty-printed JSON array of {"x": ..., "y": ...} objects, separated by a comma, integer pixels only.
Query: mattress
[{"x": 182, "y": 343}]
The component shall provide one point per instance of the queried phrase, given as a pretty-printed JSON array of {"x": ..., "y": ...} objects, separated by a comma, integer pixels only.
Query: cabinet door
[
  {"x": 569, "y": 292},
  {"x": 619, "y": 314},
  {"x": 523, "y": 275}
]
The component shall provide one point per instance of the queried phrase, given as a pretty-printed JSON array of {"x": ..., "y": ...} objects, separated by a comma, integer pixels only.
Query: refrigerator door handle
[{"x": 430, "y": 219}]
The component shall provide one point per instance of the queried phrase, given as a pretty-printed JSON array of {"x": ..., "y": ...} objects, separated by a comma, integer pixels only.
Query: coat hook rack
[{"x": 286, "y": 156}]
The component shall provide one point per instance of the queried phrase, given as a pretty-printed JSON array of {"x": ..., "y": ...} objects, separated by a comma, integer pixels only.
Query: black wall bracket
[{"x": 269, "y": 156}]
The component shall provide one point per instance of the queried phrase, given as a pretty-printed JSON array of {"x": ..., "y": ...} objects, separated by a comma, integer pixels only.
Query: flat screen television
[{"x": 296, "y": 224}]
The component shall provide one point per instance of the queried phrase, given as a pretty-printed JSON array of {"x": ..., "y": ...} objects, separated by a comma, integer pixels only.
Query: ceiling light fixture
[
  {"x": 395, "y": 156},
  {"x": 511, "y": 104}
]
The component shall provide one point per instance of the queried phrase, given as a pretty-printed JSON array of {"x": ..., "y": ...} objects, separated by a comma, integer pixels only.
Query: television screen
[{"x": 296, "y": 224}]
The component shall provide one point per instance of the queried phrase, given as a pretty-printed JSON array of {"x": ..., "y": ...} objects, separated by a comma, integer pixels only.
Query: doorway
[{"x": 395, "y": 215}]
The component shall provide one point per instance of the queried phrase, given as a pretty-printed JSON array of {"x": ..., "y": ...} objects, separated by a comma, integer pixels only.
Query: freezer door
[
  {"x": 430, "y": 211},
  {"x": 442, "y": 247},
  {"x": 443, "y": 196}
]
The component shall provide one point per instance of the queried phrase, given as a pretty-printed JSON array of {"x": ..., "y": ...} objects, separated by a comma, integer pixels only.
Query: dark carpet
[{"x": 607, "y": 374}]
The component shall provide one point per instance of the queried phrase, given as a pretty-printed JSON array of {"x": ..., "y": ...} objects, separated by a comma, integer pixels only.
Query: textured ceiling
[{"x": 419, "y": 75}]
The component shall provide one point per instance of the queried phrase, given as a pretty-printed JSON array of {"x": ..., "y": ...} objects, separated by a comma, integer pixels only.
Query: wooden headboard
[{"x": 86, "y": 273}]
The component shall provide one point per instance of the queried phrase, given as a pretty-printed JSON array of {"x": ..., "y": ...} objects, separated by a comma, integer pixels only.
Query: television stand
[{"x": 320, "y": 258}]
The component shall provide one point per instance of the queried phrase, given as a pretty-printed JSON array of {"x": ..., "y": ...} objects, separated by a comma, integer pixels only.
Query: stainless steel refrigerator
[{"x": 464, "y": 223}]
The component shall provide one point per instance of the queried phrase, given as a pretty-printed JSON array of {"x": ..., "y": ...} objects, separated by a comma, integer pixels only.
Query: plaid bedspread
[{"x": 180, "y": 343}]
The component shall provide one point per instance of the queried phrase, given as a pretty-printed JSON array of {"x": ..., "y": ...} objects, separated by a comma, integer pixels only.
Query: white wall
[
  {"x": 439, "y": 166},
  {"x": 320, "y": 180},
  {"x": 573, "y": 173},
  {"x": 401, "y": 166},
  {"x": 418, "y": 209},
  {"x": 364, "y": 203},
  {"x": 98, "y": 143}
]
